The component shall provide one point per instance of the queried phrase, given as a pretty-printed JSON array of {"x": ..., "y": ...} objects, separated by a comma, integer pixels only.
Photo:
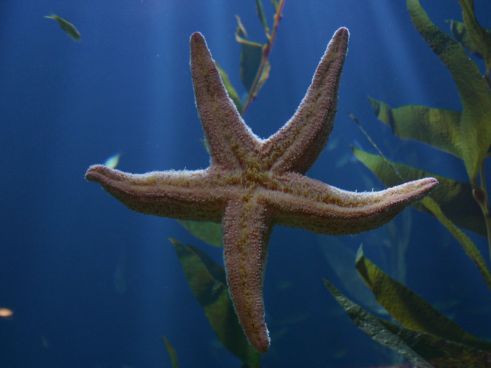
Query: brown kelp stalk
[{"x": 263, "y": 71}]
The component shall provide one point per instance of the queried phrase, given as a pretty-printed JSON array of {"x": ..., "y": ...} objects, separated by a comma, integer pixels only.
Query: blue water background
[{"x": 93, "y": 284}]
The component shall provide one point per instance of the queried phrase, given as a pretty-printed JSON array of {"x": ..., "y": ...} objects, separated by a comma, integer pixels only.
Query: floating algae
[{"x": 66, "y": 26}]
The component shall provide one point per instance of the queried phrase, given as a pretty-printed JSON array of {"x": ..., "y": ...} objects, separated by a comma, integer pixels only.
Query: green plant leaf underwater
[
  {"x": 474, "y": 125},
  {"x": 207, "y": 282},
  {"x": 171, "y": 352},
  {"x": 209, "y": 232},
  {"x": 426, "y": 338},
  {"x": 66, "y": 26}
]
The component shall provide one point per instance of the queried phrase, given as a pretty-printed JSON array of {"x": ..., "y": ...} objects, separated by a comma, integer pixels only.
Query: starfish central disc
[{"x": 253, "y": 184}]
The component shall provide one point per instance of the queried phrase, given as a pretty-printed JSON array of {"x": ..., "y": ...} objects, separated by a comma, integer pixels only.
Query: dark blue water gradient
[{"x": 93, "y": 284}]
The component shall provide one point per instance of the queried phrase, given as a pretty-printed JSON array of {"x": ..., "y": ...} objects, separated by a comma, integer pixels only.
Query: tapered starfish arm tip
[
  {"x": 108, "y": 178},
  {"x": 164, "y": 193},
  {"x": 415, "y": 189},
  {"x": 228, "y": 137},
  {"x": 253, "y": 184},
  {"x": 246, "y": 228},
  {"x": 93, "y": 172},
  {"x": 299, "y": 142}
]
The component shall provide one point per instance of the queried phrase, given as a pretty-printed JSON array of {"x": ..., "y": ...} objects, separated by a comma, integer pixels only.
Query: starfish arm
[
  {"x": 298, "y": 143},
  {"x": 229, "y": 138},
  {"x": 322, "y": 208},
  {"x": 190, "y": 195},
  {"x": 246, "y": 228}
]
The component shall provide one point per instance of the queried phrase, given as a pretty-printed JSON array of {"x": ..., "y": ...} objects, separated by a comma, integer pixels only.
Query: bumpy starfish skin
[{"x": 253, "y": 184}]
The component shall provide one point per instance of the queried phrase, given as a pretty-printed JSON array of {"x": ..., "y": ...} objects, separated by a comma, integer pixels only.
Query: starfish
[{"x": 253, "y": 184}]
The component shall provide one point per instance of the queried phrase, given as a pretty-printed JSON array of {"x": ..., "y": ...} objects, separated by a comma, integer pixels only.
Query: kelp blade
[
  {"x": 465, "y": 242},
  {"x": 171, "y": 352},
  {"x": 421, "y": 349},
  {"x": 432, "y": 335},
  {"x": 436, "y": 127},
  {"x": 209, "y": 232},
  {"x": 113, "y": 161},
  {"x": 475, "y": 122},
  {"x": 66, "y": 26},
  {"x": 412, "y": 311},
  {"x": 250, "y": 60},
  {"x": 457, "y": 28},
  {"x": 478, "y": 37},
  {"x": 230, "y": 88},
  {"x": 340, "y": 258},
  {"x": 376, "y": 328},
  {"x": 207, "y": 282}
]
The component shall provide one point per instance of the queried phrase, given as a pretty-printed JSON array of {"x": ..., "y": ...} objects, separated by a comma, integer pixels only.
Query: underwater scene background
[{"x": 84, "y": 282}]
